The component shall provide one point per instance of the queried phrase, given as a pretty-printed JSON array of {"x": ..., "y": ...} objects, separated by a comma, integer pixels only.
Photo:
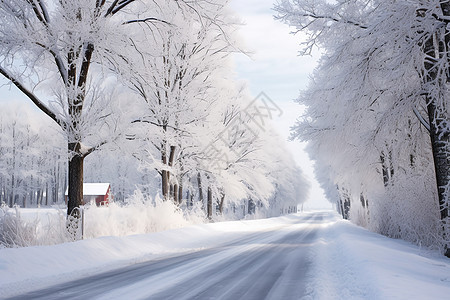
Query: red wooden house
[{"x": 100, "y": 193}]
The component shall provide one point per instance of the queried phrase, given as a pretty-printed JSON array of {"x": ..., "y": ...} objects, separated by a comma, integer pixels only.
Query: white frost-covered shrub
[
  {"x": 408, "y": 211},
  {"x": 140, "y": 214},
  {"x": 14, "y": 232},
  {"x": 31, "y": 229}
]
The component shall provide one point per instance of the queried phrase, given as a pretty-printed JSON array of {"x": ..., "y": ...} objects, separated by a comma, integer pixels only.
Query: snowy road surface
[
  {"x": 268, "y": 264},
  {"x": 313, "y": 255}
]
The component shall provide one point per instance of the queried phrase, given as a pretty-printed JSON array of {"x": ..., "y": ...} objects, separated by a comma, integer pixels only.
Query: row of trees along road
[
  {"x": 150, "y": 81},
  {"x": 378, "y": 111}
]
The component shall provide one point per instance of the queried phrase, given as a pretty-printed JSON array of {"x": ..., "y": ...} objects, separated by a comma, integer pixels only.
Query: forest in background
[{"x": 147, "y": 103}]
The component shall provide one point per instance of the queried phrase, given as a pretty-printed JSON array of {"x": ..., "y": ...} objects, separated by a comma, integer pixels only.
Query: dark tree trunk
[
  {"x": 175, "y": 194},
  {"x": 387, "y": 167},
  {"x": 251, "y": 207},
  {"x": 363, "y": 200},
  {"x": 46, "y": 194},
  {"x": 171, "y": 158},
  {"x": 345, "y": 202},
  {"x": 200, "y": 188},
  {"x": 171, "y": 155},
  {"x": 165, "y": 184},
  {"x": 384, "y": 169},
  {"x": 180, "y": 193},
  {"x": 222, "y": 200},
  {"x": 75, "y": 194},
  {"x": 39, "y": 197},
  {"x": 165, "y": 175},
  {"x": 437, "y": 117},
  {"x": 346, "y": 208},
  {"x": 209, "y": 205},
  {"x": 339, "y": 207},
  {"x": 440, "y": 144}
]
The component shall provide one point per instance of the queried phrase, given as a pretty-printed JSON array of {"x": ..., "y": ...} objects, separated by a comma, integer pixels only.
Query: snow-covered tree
[
  {"x": 385, "y": 66},
  {"x": 32, "y": 171},
  {"x": 59, "y": 53},
  {"x": 173, "y": 76}
]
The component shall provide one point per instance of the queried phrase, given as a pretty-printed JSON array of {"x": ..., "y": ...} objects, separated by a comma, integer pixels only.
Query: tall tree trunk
[
  {"x": 387, "y": 166},
  {"x": 251, "y": 207},
  {"x": 200, "y": 188},
  {"x": 46, "y": 193},
  {"x": 175, "y": 194},
  {"x": 440, "y": 144},
  {"x": 75, "y": 194},
  {"x": 222, "y": 200},
  {"x": 384, "y": 169},
  {"x": 171, "y": 155},
  {"x": 164, "y": 175},
  {"x": 437, "y": 48},
  {"x": 209, "y": 204},
  {"x": 165, "y": 184},
  {"x": 75, "y": 109},
  {"x": 38, "y": 197},
  {"x": 180, "y": 193},
  {"x": 171, "y": 158},
  {"x": 13, "y": 193}
]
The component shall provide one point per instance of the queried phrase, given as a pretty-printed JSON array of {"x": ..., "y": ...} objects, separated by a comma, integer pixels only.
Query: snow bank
[{"x": 350, "y": 262}]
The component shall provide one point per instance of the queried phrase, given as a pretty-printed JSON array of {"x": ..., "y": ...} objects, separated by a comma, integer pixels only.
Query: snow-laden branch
[
  {"x": 58, "y": 61},
  {"x": 421, "y": 119},
  {"x": 32, "y": 97},
  {"x": 318, "y": 17},
  {"x": 159, "y": 125},
  {"x": 116, "y": 6},
  {"x": 146, "y": 20},
  {"x": 40, "y": 11}
]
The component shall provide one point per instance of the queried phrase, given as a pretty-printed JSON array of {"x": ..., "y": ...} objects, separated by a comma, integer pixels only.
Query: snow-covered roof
[{"x": 93, "y": 189}]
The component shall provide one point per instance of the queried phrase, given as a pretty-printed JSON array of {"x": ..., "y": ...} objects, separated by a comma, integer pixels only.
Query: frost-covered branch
[
  {"x": 32, "y": 97},
  {"x": 421, "y": 119},
  {"x": 146, "y": 20}
]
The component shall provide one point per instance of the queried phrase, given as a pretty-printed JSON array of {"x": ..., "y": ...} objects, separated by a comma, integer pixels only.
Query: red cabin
[{"x": 98, "y": 192}]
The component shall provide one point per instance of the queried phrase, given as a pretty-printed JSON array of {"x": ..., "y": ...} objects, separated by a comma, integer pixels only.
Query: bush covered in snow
[
  {"x": 23, "y": 227},
  {"x": 31, "y": 227},
  {"x": 138, "y": 215}
]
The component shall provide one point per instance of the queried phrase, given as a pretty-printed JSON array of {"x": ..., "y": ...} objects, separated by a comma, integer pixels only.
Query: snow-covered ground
[{"x": 313, "y": 255}]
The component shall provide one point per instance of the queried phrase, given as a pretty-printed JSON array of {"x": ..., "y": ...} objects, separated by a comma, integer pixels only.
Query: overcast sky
[{"x": 276, "y": 69}]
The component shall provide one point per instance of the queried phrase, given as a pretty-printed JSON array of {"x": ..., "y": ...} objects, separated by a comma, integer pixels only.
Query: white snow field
[{"x": 312, "y": 255}]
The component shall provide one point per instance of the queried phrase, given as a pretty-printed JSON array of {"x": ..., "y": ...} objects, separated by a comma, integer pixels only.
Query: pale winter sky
[{"x": 276, "y": 69}]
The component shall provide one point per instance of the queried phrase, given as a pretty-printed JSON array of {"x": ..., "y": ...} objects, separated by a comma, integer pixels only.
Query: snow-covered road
[
  {"x": 312, "y": 255},
  {"x": 268, "y": 264}
]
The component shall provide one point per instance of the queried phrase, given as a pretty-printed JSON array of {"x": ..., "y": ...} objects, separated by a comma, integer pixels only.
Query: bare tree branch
[
  {"x": 159, "y": 125},
  {"x": 146, "y": 20},
  {"x": 32, "y": 97},
  {"x": 116, "y": 6}
]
